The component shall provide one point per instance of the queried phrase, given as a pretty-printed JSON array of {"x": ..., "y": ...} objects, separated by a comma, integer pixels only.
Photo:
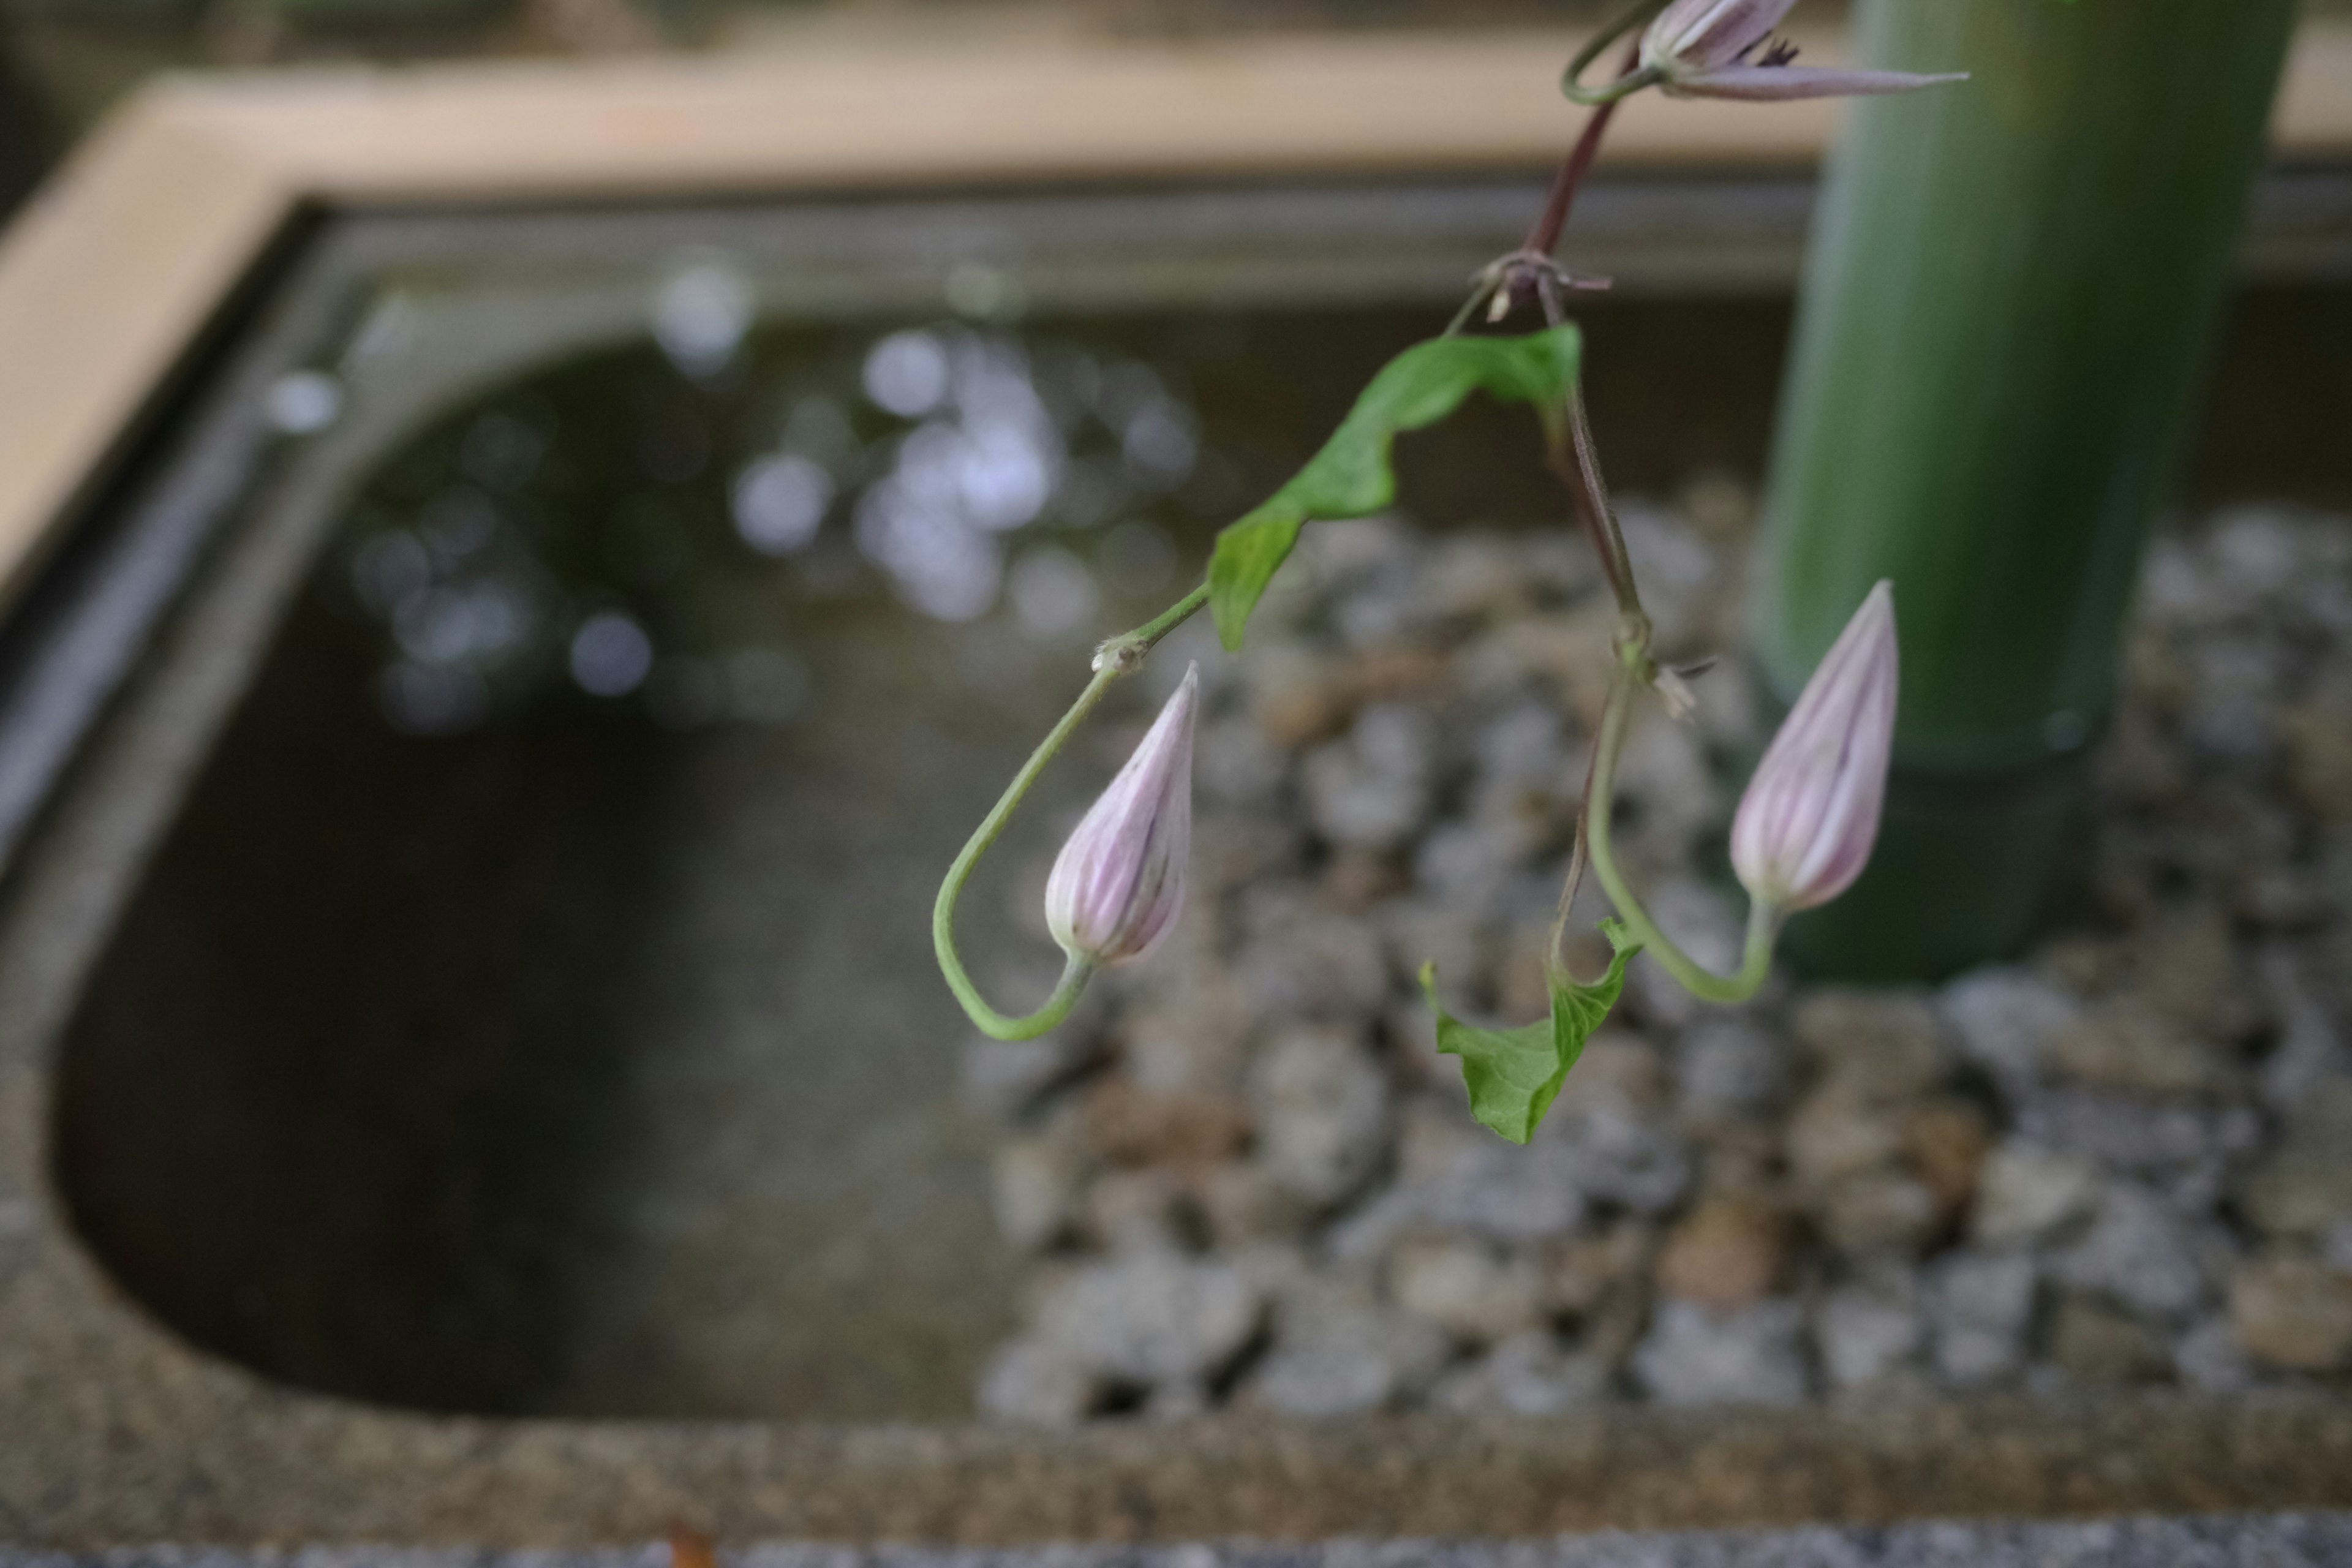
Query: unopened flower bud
[
  {"x": 1805, "y": 828},
  {"x": 1119, "y": 884},
  {"x": 1716, "y": 48}
]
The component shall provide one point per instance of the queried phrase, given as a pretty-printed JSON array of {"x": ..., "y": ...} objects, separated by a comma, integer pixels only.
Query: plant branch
[
  {"x": 1599, "y": 516},
  {"x": 1567, "y": 431},
  {"x": 1506, "y": 281},
  {"x": 1544, "y": 238}
]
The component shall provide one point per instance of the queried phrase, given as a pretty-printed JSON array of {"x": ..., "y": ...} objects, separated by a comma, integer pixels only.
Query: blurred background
[
  {"x": 63, "y": 62},
  {"x": 473, "y": 1043}
]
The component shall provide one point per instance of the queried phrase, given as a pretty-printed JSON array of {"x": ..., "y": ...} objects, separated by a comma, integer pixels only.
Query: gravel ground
[
  {"x": 1246, "y": 1179},
  {"x": 2258, "y": 1541}
]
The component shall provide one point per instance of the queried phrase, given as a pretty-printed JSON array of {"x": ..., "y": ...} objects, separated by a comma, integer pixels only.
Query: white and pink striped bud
[
  {"x": 1119, "y": 884},
  {"x": 1721, "y": 49},
  {"x": 1805, "y": 828}
]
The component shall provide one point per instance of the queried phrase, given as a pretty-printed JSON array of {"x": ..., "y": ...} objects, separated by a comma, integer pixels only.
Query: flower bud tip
[
  {"x": 1709, "y": 48},
  {"x": 1117, "y": 886},
  {"x": 1810, "y": 817}
]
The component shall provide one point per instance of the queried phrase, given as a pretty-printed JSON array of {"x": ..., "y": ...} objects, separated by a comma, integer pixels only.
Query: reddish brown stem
[{"x": 1544, "y": 238}]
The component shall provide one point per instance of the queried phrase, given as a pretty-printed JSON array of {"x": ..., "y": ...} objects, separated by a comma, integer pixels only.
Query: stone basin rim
[
  {"x": 177, "y": 1446},
  {"x": 112, "y": 1433}
]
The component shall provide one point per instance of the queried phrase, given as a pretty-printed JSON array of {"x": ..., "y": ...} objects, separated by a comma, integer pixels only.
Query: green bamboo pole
[{"x": 2012, "y": 287}]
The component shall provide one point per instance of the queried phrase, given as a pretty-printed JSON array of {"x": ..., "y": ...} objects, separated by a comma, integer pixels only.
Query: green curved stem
[
  {"x": 1623, "y": 87},
  {"x": 1075, "y": 974},
  {"x": 1145, "y": 638},
  {"x": 1763, "y": 920},
  {"x": 1632, "y": 81},
  {"x": 1121, "y": 656}
]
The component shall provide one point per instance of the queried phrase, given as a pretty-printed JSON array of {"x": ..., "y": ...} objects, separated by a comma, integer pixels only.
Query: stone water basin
[{"x": 476, "y": 1068}]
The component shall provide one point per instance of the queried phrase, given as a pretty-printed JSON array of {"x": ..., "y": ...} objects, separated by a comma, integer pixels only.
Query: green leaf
[
  {"x": 1350, "y": 477},
  {"x": 1514, "y": 1075}
]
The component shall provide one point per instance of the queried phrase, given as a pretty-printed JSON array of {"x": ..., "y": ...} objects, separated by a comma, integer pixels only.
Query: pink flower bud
[
  {"x": 1119, "y": 884},
  {"x": 1805, "y": 828},
  {"x": 1708, "y": 48}
]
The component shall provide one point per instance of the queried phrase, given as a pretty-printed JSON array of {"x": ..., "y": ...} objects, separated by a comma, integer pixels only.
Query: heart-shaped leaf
[
  {"x": 1350, "y": 477},
  {"x": 1514, "y": 1075}
]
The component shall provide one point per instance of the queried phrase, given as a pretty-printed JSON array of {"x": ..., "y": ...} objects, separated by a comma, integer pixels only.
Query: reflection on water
[{"x": 670, "y": 564}]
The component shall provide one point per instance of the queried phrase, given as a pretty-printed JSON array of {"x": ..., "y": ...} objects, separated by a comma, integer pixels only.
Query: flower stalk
[
  {"x": 1120, "y": 656},
  {"x": 1806, "y": 824},
  {"x": 1635, "y": 669}
]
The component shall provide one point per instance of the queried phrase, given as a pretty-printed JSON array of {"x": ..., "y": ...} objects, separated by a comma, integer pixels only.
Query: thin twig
[
  {"x": 1508, "y": 279},
  {"x": 1599, "y": 518},
  {"x": 1591, "y": 491},
  {"x": 1544, "y": 238},
  {"x": 1555, "y": 952},
  {"x": 1615, "y": 558}
]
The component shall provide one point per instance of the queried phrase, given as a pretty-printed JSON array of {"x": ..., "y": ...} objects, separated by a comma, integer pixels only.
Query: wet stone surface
[{"x": 1248, "y": 1181}]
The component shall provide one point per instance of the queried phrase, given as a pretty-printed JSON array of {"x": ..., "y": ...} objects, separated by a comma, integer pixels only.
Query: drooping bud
[
  {"x": 1119, "y": 884},
  {"x": 1710, "y": 48},
  {"x": 1804, "y": 829}
]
